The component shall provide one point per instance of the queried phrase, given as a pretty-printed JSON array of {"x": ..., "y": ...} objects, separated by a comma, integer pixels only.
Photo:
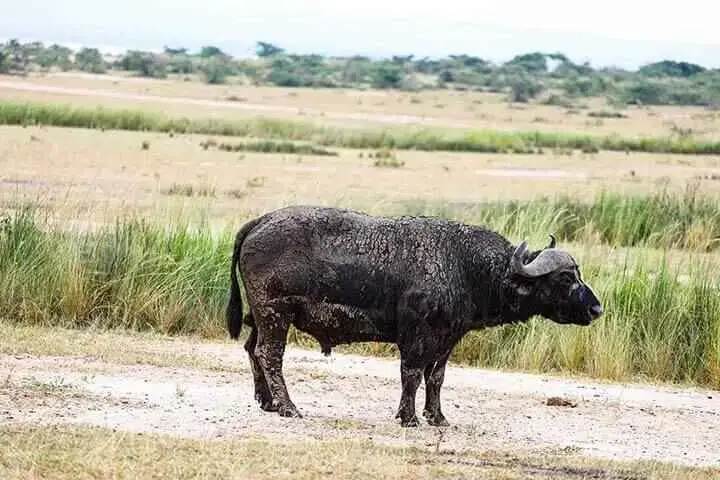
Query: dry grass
[
  {"x": 477, "y": 110},
  {"x": 95, "y": 170},
  {"x": 60, "y": 452},
  {"x": 120, "y": 347}
]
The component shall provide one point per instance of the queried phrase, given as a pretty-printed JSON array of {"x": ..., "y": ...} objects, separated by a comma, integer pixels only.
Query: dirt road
[
  {"x": 251, "y": 107},
  {"x": 353, "y": 396}
]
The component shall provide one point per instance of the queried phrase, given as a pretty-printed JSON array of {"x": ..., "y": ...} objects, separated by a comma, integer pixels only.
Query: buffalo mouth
[
  {"x": 596, "y": 311},
  {"x": 585, "y": 316},
  {"x": 593, "y": 313}
]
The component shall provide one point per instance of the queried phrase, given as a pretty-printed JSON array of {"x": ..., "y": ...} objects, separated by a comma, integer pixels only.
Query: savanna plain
[{"x": 119, "y": 200}]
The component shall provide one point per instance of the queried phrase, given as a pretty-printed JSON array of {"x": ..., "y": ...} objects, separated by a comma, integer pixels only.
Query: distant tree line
[{"x": 550, "y": 78}]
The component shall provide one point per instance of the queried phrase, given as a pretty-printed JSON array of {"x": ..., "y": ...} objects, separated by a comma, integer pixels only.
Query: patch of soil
[
  {"x": 532, "y": 173},
  {"x": 348, "y": 396}
]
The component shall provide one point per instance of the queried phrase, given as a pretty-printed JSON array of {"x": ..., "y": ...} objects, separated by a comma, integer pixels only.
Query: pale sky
[{"x": 612, "y": 32}]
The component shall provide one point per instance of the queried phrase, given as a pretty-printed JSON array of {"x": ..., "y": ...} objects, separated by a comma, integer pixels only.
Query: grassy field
[
  {"x": 440, "y": 107},
  {"x": 99, "y": 172},
  {"x": 132, "y": 211},
  {"x": 120, "y": 196},
  {"x": 663, "y": 319},
  {"x": 405, "y": 138}
]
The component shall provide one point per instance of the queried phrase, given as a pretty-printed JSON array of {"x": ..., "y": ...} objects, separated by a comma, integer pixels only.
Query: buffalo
[{"x": 422, "y": 283}]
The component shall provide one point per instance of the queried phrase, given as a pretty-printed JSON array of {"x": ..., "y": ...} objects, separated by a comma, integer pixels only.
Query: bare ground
[{"x": 349, "y": 396}]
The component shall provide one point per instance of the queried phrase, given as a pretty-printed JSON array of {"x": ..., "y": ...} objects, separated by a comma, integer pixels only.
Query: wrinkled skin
[{"x": 421, "y": 283}]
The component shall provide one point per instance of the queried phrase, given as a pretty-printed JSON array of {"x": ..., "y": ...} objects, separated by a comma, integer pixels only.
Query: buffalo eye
[{"x": 575, "y": 286}]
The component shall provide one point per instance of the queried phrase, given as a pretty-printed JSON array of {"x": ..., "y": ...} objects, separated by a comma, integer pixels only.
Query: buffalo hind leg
[
  {"x": 434, "y": 376},
  {"x": 269, "y": 350},
  {"x": 411, "y": 376},
  {"x": 262, "y": 392}
]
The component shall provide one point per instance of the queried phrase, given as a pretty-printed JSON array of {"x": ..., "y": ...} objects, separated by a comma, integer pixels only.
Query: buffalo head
[{"x": 552, "y": 285}]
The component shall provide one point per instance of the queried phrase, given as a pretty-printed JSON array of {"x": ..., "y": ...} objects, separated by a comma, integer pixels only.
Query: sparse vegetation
[
  {"x": 273, "y": 146},
  {"x": 398, "y": 138},
  {"x": 606, "y": 114},
  {"x": 189, "y": 190},
  {"x": 386, "y": 158}
]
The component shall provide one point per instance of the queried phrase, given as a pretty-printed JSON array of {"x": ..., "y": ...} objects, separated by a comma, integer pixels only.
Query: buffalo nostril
[{"x": 597, "y": 310}]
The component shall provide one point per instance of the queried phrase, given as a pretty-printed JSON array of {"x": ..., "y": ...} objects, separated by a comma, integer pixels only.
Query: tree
[
  {"x": 402, "y": 59},
  {"x": 54, "y": 56},
  {"x": 356, "y": 70},
  {"x": 387, "y": 76},
  {"x": 530, "y": 62},
  {"x": 90, "y": 60},
  {"x": 671, "y": 68},
  {"x": 216, "y": 70},
  {"x": 523, "y": 88},
  {"x": 264, "y": 49},
  {"x": 147, "y": 64},
  {"x": 181, "y": 64},
  {"x": 15, "y": 58},
  {"x": 470, "y": 61},
  {"x": 175, "y": 51},
  {"x": 209, "y": 51}
]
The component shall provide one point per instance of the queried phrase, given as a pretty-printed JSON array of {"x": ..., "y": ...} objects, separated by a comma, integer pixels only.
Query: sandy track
[
  {"x": 353, "y": 396},
  {"x": 251, "y": 107}
]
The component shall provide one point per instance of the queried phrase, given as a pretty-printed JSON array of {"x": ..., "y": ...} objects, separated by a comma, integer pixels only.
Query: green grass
[
  {"x": 131, "y": 275},
  {"x": 660, "y": 220},
  {"x": 272, "y": 146},
  {"x": 18, "y": 113},
  {"x": 174, "y": 279}
]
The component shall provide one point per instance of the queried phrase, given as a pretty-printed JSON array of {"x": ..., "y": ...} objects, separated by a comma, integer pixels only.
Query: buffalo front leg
[
  {"x": 269, "y": 351},
  {"x": 411, "y": 376},
  {"x": 434, "y": 376},
  {"x": 262, "y": 392}
]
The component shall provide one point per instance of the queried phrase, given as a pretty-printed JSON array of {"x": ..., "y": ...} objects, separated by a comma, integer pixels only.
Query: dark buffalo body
[{"x": 421, "y": 283}]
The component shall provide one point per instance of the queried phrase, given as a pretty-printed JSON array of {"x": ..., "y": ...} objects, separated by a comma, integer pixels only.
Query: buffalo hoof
[
  {"x": 288, "y": 411},
  {"x": 436, "y": 419},
  {"x": 411, "y": 422},
  {"x": 266, "y": 406},
  {"x": 407, "y": 419}
]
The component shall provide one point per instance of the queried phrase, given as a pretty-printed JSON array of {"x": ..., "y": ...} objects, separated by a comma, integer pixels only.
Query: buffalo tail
[{"x": 234, "y": 311}]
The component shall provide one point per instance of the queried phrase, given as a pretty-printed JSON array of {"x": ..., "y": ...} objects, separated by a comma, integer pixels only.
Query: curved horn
[
  {"x": 552, "y": 242},
  {"x": 547, "y": 261}
]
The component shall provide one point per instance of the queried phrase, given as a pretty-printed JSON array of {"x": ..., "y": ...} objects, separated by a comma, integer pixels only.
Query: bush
[
  {"x": 524, "y": 89},
  {"x": 387, "y": 76},
  {"x": 215, "y": 70}
]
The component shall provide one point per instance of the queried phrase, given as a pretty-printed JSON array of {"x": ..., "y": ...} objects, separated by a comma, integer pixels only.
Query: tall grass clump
[
  {"x": 402, "y": 138},
  {"x": 662, "y": 322},
  {"x": 660, "y": 219},
  {"x": 127, "y": 275}
]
